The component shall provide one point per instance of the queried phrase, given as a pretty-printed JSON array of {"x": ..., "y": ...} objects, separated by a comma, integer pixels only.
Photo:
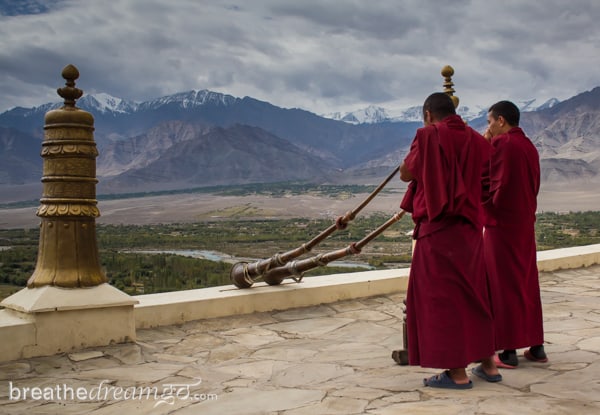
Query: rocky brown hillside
[{"x": 204, "y": 139}]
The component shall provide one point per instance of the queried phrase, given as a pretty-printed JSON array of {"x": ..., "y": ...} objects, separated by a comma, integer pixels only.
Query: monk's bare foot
[
  {"x": 459, "y": 376},
  {"x": 489, "y": 366}
]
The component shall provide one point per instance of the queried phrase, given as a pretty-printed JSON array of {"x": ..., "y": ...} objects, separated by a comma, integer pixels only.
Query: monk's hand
[{"x": 487, "y": 134}]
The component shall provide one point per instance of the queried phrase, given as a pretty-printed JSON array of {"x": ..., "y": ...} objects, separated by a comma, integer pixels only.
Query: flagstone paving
[{"x": 327, "y": 359}]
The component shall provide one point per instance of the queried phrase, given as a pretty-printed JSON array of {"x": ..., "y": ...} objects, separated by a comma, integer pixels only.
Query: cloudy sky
[{"x": 319, "y": 55}]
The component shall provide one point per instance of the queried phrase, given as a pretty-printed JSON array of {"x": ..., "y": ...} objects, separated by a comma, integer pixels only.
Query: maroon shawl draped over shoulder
[
  {"x": 449, "y": 319},
  {"x": 446, "y": 159}
]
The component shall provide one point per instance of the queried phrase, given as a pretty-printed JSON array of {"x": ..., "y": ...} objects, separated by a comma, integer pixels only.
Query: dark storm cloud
[
  {"x": 21, "y": 7},
  {"x": 356, "y": 19},
  {"x": 319, "y": 55}
]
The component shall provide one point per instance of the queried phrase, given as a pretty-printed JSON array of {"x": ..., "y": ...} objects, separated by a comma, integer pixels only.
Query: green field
[
  {"x": 135, "y": 272},
  {"x": 8, "y": 289}
]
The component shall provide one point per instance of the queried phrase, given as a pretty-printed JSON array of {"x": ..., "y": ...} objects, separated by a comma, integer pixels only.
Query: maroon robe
[
  {"x": 448, "y": 313},
  {"x": 509, "y": 241}
]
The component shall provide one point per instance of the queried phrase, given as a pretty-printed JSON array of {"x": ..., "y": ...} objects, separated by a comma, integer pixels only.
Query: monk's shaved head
[
  {"x": 509, "y": 111},
  {"x": 440, "y": 105}
]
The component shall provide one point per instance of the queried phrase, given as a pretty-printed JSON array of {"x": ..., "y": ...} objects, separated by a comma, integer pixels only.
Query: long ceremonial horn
[
  {"x": 242, "y": 274},
  {"x": 295, "y": 269}
]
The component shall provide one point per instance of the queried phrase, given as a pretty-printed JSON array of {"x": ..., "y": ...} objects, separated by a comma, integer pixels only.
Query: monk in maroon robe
[
  {"x": 449, "y": 319},
  {"x": 509, "y": 238}
]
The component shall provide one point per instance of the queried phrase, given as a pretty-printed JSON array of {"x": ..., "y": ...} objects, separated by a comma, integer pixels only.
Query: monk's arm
[{"x": 413, "y": 154}]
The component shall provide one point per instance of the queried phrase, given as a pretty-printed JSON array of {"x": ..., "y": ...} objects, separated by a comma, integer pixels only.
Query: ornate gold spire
[
  {"x": 69, "y": 92},
  {"x": 68, "y": 254},
  {"x": 447, "y": 72}
]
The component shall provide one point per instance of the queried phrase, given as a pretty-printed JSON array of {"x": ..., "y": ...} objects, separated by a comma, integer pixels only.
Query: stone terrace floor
[{"x": 328, "y": 359}]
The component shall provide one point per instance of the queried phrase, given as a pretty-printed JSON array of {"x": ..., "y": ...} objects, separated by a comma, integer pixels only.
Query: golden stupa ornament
[
  {"x": 68, "y": 253},
  {"x": 447, "y": 72}
]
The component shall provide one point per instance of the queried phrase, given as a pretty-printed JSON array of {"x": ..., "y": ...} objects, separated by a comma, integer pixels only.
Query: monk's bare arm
[{"x": 405, "y": 174}]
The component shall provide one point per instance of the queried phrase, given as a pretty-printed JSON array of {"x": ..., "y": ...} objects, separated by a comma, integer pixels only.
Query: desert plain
[{"x": 199, "y": 207}]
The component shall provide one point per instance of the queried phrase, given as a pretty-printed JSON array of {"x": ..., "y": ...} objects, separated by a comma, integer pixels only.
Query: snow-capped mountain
[
  {"x": 104, "y": 103},
  {"x": 369, "y": 115},
  {"x": 374, "y": 114},
  {"x": 174, "y": 140},
  {"x": 116, "y": 119},
  {"x": 531, "y": 105},
  {"x": 190, "y": 99}
]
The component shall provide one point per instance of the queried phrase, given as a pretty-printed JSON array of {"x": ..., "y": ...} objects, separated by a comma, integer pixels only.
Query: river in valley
[{"x": 223, "y": 257}]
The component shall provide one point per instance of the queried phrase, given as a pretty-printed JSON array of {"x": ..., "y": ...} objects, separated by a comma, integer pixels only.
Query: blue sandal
[
  {"x": 479, "y": 372},
  {"x": 443, "y": 380}
]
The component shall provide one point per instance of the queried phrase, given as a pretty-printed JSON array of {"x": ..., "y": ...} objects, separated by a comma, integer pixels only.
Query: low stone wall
[
  {"x": 181, "y": 306},
  {"x": 568, "y": 258},
  {"x": 178, "y": 307},
  {"x": 34, "y": 331}
]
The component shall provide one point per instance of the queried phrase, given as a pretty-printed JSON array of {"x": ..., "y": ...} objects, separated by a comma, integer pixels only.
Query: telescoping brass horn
[
  {"x": 295, "y": 269},
  {"x": 244, "y": 274}
]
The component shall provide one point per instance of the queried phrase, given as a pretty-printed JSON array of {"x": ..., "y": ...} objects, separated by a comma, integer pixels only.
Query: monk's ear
[
  {"x": 501, "y": 121},
  {"x": 427, "y": 117}
]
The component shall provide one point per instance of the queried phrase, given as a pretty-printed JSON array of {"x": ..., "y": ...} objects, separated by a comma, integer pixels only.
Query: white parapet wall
[
  {"x": 180, "y": 306},
  {"x": 51, "y": 320},
  {"x": 567, "y": 258}
]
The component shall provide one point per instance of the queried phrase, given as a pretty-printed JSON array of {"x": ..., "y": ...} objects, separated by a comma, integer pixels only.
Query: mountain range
[
  {"x": 374, "y": 114},
  {"x": 202, "y": 138}
]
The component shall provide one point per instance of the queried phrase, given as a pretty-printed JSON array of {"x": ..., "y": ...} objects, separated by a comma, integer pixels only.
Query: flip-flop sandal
[
  {"x": 530, "y": 356},
  {"x": 501, "y": 364},
  {"x": 479, "y": 372},
  {"x": 443, "y": 380}
]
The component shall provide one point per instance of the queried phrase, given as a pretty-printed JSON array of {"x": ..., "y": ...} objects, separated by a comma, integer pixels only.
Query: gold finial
[
  {"x": 68, "y": 252},
  {"x": 447, "y": 72},
  {"x": 69, "y": 92}
]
